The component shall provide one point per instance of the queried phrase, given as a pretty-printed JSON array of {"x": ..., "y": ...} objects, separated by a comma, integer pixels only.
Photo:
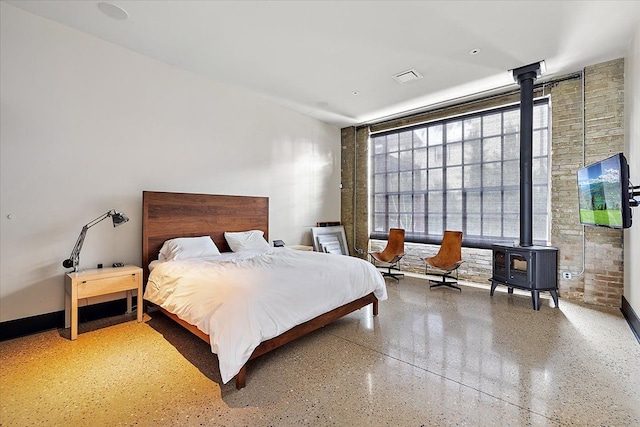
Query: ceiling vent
[{"x": 407, "y": 76}]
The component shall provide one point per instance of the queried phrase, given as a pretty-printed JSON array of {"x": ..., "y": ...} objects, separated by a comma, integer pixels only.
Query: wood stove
[
  {"x": 526, "y": 266},
  {"x": 532, "y": 268}
]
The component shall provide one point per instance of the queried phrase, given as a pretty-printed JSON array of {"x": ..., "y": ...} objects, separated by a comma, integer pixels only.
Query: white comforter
[{"x": 242, "y": 300}]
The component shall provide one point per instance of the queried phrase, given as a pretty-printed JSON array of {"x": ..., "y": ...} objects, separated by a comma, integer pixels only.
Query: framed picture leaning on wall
[{"x": 330, "y": 240}]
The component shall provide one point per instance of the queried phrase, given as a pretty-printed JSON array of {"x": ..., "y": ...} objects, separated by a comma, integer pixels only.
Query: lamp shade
[{"x": 119, "y": 218}]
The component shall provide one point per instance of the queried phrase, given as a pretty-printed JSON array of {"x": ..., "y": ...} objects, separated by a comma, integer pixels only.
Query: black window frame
[{"x": 395, "y": 202}]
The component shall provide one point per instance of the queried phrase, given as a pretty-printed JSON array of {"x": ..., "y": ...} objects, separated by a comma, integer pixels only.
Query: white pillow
[
  {"x": 188, "y": 247},
  {"x": 246, "y": 240}
]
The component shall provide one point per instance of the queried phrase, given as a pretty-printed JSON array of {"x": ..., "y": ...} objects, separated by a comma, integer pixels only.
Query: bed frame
[{"x": 170, "y": 215}]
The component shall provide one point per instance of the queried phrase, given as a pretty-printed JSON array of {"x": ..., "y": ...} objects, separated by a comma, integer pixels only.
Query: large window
[{"x": 461, "y": 174}]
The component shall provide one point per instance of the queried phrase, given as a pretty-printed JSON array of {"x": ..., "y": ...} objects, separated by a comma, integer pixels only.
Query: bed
[{"x": 169, "y": 216}]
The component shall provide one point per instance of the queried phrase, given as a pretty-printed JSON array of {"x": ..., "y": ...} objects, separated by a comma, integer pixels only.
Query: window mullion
[
  {"x": 444, "y": 176},
  {"x": 502, "y": 167}
]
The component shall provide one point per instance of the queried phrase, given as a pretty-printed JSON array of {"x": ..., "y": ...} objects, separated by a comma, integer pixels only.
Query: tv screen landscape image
[{"x": 604, "y": 193}]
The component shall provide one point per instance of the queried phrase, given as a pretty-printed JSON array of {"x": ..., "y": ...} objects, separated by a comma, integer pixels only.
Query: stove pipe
[{"x": 525, "y": 77}]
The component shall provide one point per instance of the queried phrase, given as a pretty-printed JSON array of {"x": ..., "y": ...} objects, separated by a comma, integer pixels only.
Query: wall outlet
[{"x": 567, "y": 275}]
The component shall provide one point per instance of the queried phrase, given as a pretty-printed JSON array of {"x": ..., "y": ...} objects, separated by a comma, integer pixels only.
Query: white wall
[
  {"x": 632, "y": 153},
  {"x": 86, "y": 126}
]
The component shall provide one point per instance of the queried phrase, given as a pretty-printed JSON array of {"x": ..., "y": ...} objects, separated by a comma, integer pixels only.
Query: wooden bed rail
[{"x": 290, "y": 335}]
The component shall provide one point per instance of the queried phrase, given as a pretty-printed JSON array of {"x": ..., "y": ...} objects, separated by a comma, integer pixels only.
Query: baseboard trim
[
  {"x": 44, "y": 322},
  {"x": 632, "y": 318}
]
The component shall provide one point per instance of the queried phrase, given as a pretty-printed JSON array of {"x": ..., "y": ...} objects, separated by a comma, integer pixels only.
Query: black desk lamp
[{"x": 117, "y": 217}]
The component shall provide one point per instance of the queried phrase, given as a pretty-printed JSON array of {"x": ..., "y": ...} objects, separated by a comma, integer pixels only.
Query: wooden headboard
[{"x": 170, "y": 215}]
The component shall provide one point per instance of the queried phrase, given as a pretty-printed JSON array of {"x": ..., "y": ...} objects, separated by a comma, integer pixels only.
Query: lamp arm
[
  {"x": 75, "y": 252},
  {"x": 100, "y": 218},
  {"x": 74, "y": 258}
]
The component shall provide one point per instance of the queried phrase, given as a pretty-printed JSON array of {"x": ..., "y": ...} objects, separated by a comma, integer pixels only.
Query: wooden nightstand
[{"x": 96, "y": 282}]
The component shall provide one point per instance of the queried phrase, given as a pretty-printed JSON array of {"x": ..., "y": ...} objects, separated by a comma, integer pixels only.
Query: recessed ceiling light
[
  {"x": 474, "y": 51},
  {"x": 355, "y": 93},
  {"x": 407, "y": 76},
  {"x": 113, "y": 11}
]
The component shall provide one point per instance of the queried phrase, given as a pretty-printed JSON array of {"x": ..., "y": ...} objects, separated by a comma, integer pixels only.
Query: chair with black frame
[
  {"x": 447, "y": 260},
  {"x": 391, "y": 255}
]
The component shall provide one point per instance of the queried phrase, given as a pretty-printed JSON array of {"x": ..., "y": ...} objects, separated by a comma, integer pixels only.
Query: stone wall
[{"x": 601, "y": 280}]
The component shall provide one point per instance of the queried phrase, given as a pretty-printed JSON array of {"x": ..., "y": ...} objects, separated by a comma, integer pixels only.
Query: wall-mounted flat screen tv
[{"x": 604, "y": 193}]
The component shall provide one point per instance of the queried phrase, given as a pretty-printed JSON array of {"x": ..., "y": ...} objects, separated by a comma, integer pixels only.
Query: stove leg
[
  {"x": 554, "y": 295},
  {"x": 493, "y": 288},
  {"x": 535, "y": 296}
]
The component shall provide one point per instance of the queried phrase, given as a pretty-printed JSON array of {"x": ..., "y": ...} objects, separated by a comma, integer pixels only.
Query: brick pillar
[
  {"x": 347, "y": 137},
  {"x": 354, "y": 163},
  {"x": 602, "y": 281},
  {"x": 566, "y": 159},
  {"x": 604, "y": 112}
]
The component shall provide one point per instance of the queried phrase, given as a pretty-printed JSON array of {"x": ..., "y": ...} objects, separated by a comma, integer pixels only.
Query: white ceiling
[{"x": 312, "y": 56}]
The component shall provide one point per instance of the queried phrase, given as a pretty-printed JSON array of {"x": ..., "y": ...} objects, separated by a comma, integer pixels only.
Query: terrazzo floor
[{"x": 432, "y": 357}]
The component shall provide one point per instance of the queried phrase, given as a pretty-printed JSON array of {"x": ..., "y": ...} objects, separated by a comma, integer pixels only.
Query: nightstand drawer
[{"x": 106, "y": 285}]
